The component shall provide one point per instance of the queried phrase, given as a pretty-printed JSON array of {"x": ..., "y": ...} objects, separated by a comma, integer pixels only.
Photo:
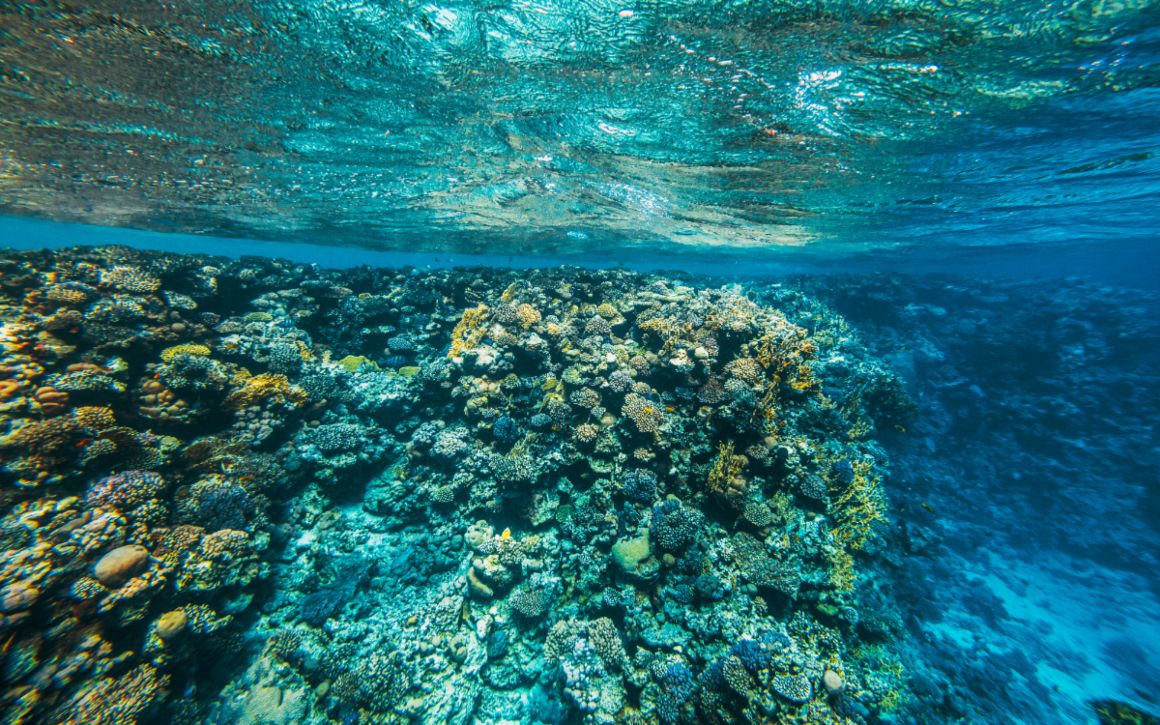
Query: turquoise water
[
  {"x": 546, "y": 127},
  {"x": 579, "y": 362}
]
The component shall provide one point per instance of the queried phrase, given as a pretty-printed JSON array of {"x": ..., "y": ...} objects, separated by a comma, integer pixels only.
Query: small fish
[{"x": 929, "y": 508}]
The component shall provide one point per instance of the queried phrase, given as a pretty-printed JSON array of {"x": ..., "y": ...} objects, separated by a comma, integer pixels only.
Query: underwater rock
[
  {"x": 121, "y": 563},
  {"x": 833, "y": 683},
  {"x": 171, "y": 624},
  {"x": 17, "y": 597}
]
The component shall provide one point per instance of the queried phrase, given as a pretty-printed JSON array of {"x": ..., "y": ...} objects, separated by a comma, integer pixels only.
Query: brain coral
[{"x": 795, "y": 688}]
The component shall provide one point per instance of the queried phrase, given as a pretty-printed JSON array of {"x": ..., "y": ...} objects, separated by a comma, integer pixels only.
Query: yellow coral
[
  {"x": 860, "y": 507},
  {"x": 767, "y": 411},
  {"x": 304, "y": 351},
  {"x": 784, "y": 353},
  {"x": 226, "y": 544},
  {"x": 842, "y": 570},
  {"x": 354, "y": 363},
  {"x": 647, "y": 416},
  {"x": 186, "y": 348},
  {"x": 469, "y": 331},
  {"x": 744, "y": 368},
  {"x": 803, "y": 379},
  {"x": 527, "y": 315},
  {"x": 63, "y": 295},
  {"x": 267, "y": 386},
  {"x": 44, "y": 436},
  {"x": 666, "y": 331},
  {"x": 724, "y": 475},
  {"x": 118, "y": 700},
  {"x": 860, "y": 429},
  {"x": 130, "y": 279}
]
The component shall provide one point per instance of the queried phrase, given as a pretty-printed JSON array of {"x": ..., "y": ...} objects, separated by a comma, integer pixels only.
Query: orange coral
[
  {"x": 50, "y": 400},
  {"x": 10, "y": 388},
  {"x": 159, "y": 402}
]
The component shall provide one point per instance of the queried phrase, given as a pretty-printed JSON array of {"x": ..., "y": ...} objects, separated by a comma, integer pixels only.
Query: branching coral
[
  {"x": 527, "y": 315},
  {"x": 842, "y": 570},
  {"x": 267, "y": 387},
  {"x": 860, "y": 507},
  {"x": 469, "y": 331},
  {"x": 130, "y": 279},
  {"x": 724, "y": 476}
]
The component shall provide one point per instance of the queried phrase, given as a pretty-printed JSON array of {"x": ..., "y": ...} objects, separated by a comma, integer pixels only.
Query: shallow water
[{"x": 579, "y": 362}]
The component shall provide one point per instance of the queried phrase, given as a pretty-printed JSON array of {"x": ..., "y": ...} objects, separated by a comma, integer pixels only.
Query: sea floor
[{"x": 256, "y": 491}]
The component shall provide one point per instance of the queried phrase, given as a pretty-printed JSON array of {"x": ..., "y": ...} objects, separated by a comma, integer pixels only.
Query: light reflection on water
[{"x": 574, "y": 127}]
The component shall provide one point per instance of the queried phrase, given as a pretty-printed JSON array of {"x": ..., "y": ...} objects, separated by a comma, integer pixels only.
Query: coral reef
[{"x": 441, "y": 496}]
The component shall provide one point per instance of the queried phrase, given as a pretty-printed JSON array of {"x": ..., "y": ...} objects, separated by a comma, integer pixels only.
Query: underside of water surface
[
  {"x": 585, "y": 127},
  {"x": 579, "y": 362}
]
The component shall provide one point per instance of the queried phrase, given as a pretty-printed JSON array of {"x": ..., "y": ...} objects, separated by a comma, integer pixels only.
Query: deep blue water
[{"x": 970, "y": 188}]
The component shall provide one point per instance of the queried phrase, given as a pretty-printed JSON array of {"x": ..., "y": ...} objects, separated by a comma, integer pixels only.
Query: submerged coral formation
[{"x": 441, "y": 496}]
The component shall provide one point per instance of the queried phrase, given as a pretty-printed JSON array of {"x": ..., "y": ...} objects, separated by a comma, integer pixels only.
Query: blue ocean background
[{"x": 974, "y": 186}]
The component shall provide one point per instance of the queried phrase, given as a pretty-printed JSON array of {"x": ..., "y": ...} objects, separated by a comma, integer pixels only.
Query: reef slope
[{"x": 436, "y": 496}]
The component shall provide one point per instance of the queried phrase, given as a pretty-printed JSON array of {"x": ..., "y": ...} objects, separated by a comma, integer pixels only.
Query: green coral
[
  {"x": 629, "y": 554},
  {"x": 355, "y": 363}
]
